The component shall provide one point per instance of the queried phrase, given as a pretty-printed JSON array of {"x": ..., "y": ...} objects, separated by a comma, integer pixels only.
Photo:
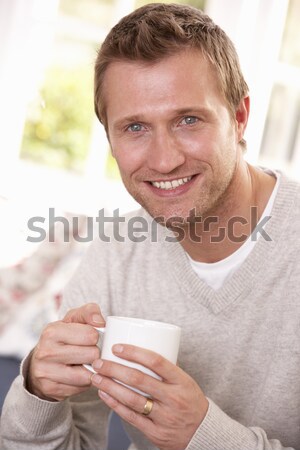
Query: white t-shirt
[{"x": 215, "y": 274}]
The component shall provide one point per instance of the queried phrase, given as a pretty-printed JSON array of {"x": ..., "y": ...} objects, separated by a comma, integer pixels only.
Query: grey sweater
[{"x": 240, "y": 343}]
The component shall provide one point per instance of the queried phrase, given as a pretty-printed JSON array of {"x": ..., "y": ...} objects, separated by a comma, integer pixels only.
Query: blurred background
[
  {"x": 54, "y": 152},
  {"x": 53, "y": 148}
]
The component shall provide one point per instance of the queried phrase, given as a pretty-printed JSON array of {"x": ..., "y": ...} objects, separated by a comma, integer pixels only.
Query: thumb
[{"x": 89, "y": 313}]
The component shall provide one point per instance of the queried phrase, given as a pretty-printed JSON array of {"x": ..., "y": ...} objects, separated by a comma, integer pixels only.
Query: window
[{"x": 281, "y": 138}]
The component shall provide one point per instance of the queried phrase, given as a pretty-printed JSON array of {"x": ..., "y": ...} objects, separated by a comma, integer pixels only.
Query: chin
[{"x": 169, "y": 219}]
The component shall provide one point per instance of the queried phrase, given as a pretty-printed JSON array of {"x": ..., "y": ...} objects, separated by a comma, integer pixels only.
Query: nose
[{"x": 165, "y": 152}]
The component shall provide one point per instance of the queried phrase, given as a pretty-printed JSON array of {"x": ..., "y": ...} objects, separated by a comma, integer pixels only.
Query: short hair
[{"x": 158, "y": 30}]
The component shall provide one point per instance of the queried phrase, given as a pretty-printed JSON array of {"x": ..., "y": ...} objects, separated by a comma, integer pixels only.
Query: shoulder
[
  {"x": 288, "y": 196},
  {"x": 286, "y": 211}
]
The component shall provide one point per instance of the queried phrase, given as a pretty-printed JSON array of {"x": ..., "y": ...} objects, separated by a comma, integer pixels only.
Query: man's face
[{"x": 171, "y": 133}]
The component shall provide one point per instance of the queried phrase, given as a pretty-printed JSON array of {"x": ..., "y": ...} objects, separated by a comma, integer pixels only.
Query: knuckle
[
  {"x": 41, "y": 354},
  {"x": 131, "y": 399},
  {"x": 177, "y": 402},
  {"x": 39, "y": 374},
  {"x": 95, "y": 353},
  {"x": 156, "y": 361},
  {"x": 92, "y": 335},
  {"x": 136, "y": 378},
  {"x": 69, "y": 315},
  {"x": 91, "y": 308},
  {"x": 113, "y": 403},
  {"x": 91, "y": 305},
  {"x": 132, "y": 417},
  {"x": 105, "y": 385},
  {"x": 50, "y": 331}
]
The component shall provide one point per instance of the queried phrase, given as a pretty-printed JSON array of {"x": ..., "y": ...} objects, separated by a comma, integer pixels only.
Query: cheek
[
  {"x": 130, "y": 155},
  {"x": 127, "y": 161},
  {"x": 199, "y": 146}
]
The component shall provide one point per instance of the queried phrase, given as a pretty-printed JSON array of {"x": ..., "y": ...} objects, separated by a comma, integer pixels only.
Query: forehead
[{"x": 180, "y": 79}]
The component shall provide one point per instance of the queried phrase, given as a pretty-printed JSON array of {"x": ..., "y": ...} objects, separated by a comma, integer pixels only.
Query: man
[{"x": 171, "y": 96}]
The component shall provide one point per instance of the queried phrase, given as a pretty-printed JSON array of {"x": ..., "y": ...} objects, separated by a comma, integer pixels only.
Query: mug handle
[{"x": 89, "y": 366}]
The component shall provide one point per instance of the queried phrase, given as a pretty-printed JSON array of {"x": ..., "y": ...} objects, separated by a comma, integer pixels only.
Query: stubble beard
[{"x": 213, "y": 198}]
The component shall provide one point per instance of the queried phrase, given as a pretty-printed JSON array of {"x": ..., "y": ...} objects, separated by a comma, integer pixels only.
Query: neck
[{"x": 226, "y": 227}]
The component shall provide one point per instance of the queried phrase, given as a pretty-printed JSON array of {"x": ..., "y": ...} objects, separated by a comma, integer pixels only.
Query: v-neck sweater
[
  {"x": 240, "y": 343},
  {"x": 216, "y": 273}
]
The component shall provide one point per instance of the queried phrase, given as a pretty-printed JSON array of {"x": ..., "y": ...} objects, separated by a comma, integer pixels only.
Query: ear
[{"x": 241, "y": 117}]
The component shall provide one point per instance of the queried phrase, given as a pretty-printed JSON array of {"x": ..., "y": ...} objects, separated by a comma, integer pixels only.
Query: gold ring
[{"x": 148, "y": 407}]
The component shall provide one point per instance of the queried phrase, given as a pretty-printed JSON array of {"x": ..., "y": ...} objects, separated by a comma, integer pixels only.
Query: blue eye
[
  {"x": 135, "y": 127},
  {"x": 189, "y": 120}
]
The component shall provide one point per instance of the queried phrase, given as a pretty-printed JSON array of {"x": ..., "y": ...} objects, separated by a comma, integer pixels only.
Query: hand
[
  {"x": 56, "y": 370},
  {"x": 179, "y": 405}
]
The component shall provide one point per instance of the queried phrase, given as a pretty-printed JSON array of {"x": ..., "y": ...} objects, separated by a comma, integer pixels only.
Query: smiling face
[{"x": 171, "y": 133}]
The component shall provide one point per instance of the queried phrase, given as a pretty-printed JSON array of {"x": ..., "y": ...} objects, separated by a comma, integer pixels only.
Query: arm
[
  {"x": 219, "y": 431},
  {"x": 51, "y": 405},
  {"x": 182, "y": 417}
]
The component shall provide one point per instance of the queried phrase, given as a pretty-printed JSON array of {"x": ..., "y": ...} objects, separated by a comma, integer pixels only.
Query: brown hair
[{"x": 157, "y": 30}]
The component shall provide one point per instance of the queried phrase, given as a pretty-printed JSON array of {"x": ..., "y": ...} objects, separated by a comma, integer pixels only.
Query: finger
[
  {"x": 89, "y": 313},
  {"x": 131, "y": 377},
  {"x": 134, "y": 418},
  {"x": 69, "y": 354},
  {"x": 126, "y": 396},
  {"x": 70, "y": 333},
  {"x": 60, "y": 391},
  {"x": 168, "y": 371},
  {"x": 76, "y": 376}
]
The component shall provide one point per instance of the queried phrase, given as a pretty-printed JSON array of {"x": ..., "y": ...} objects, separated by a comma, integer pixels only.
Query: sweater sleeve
[
  {"x": 29, "y": 423},
  {"x": 219, "y": 432}
]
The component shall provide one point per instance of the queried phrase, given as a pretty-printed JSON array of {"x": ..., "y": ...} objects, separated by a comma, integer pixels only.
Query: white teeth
[
  {"x": 170, "y": 184},
  {"x": 175, "y": 184}
]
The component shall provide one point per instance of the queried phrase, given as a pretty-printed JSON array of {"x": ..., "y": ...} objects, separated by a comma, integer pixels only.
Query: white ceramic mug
[{"x": 160, "y": 337}]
